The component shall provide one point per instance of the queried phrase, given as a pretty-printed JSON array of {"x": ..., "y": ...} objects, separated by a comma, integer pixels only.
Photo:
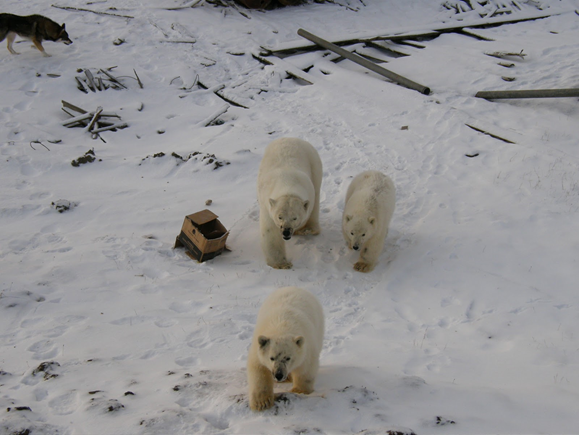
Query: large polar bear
[
  {"x": 370, "y": 202},
  {"x": 288, "y": 191},
  {"x": 287, "y": 340}
]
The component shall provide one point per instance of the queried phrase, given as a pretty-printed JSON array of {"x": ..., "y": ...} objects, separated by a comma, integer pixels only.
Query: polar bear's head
[
  {"x": 358, "y": 230},
  {"x": 290, "y": 213},
  {"x": 281, "y": 355}
]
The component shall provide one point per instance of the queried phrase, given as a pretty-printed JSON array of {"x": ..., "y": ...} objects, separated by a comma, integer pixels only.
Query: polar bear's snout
[
  {"x": 355, "y": 247},
  {"x": 287, "y": 233},
  {"x": 280, "y": 375}
]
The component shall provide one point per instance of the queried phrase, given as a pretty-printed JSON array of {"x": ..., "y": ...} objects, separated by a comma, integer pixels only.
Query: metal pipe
[
  {"x": 539, "y": 93},
  {"x": 403, "y": 81}
]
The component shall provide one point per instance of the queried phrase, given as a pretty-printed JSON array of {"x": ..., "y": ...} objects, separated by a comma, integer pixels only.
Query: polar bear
[
  {"x": 288, "y": 191},
  {"x": 287, "y": 340},
  {"x": 370, "y": 202}
]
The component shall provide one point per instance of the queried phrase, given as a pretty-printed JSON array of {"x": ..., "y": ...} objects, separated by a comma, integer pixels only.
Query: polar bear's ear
[
  {"x": 263, "y": 341},
  {"x": 348, "y": 218},
  {"x": 306, "y": 204},
  {"x": 299, "y": 341},
  {"x": 272, "y": 202},
  {"x": 371, "y": 219}
]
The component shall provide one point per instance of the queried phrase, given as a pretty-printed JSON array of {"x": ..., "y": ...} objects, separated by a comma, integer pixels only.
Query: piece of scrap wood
[
  {"x": 502, "y": 54},
  {"x": 94, "y": 118},
  {"x": 73, "y": 107},
  {"x": 295, "y": 46},
  {"x": 90, "y": 78},
  {"x": 536, "y": 93},
  {"x": 397, "y": 78},
  {"x": 113, "y": 78},
  {"x": 291, "y": 70},
  {"x": 110, "y": 127},
  {"x": 77, "y": 119},
  {"x": 70, "y": 8},
  {"x": 211, "y": 119}
]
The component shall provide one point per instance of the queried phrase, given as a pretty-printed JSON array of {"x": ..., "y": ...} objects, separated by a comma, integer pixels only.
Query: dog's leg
[
  {"x": 10, "y": 40},
  {"x": 38, "y": 44}
]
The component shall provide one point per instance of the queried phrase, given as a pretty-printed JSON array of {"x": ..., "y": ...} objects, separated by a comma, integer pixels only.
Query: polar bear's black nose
[
  {"x": 287, "y": 234},
  {"x": 279, "y": 376},
  {"x": 355, "y": 247}
]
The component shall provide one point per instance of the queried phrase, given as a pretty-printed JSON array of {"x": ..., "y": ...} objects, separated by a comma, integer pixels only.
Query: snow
[{"x": 468, "y": 325}]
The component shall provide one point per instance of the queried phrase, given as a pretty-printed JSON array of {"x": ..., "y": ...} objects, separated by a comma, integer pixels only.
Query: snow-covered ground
[{"x": 468, "y": 325}]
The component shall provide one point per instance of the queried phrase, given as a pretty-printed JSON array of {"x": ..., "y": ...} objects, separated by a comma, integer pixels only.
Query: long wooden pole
[
  {"x": 538, "y": 93},
  {"x": 403, "y": 81}
]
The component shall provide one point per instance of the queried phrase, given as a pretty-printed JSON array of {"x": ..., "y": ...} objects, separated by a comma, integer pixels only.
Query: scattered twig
[
  {"x": 480, "y": 130},
  {"x": 138, "y": 79},
  {"x": 37, "y": 141},
  {"x": 70, "y": 8}
]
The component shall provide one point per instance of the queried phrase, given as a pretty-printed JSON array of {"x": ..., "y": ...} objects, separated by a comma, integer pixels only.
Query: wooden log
[
  {"x": 539, "y": 93},
  {"x": 403, "y": 81}
]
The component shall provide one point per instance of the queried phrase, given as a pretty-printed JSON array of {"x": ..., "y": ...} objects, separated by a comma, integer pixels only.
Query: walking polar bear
[
  {"x": 288, "y": 191},
  {"x": 287, "y": 340},
  {"x": 370, "y": 203}
]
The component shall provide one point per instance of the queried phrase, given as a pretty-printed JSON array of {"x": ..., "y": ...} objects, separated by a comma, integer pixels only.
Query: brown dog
[{"x": 34, "y": 27}]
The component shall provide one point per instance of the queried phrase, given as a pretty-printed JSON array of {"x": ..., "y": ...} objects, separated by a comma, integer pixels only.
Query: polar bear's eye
[
  {"x": 295, "y": 219},
  {"x": 363, "y": 235},
  {"x": 288, "y": 358},
  {"x": 352, "y": 233},
  {"x": 272, "y": 358},
  {"x": 280, "y": 217}
]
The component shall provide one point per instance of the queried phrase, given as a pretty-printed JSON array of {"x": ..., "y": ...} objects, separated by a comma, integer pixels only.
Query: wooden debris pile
[
  {"x": 101, "y": 80},
  {"x": 93, "y": 122},
  {"x": 490, "y": 8}
]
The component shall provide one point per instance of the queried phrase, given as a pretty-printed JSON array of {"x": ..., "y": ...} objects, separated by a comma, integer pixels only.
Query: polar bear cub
[
  {"x": 287, "y": 340},
  {"x": 370, "y": 202},
  {"x": 288, "y": 191}
]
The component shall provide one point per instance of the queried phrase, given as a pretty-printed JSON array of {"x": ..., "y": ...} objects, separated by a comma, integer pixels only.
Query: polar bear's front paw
[
  {"x": 261, "y": 401},
  {"x": 308, "y": 231},
  {"x": 283, "y": 265},
  {"x": 362, "y": 266},
  {"x": 302, "y": 390}
]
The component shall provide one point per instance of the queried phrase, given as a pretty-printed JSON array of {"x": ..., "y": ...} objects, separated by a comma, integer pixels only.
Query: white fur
[
  {"x": 370, "y": 203},
  {"x": 288, "y": 191},
  {"x": 289, "y": 330}
]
